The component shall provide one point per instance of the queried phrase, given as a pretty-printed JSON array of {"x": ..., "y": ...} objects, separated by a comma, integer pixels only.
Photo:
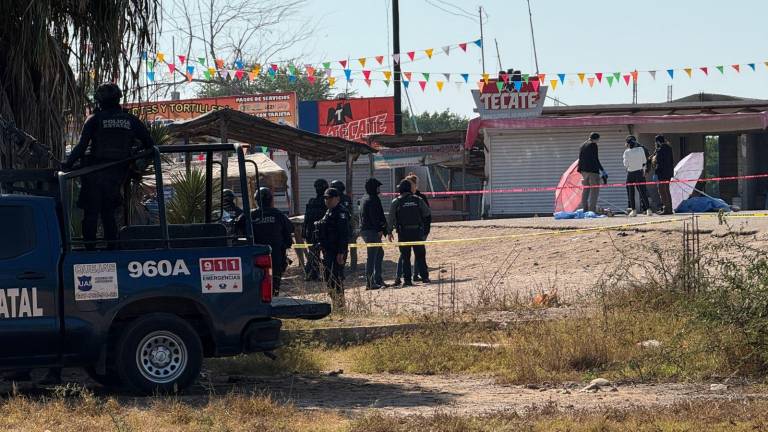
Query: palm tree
[{"x": 53, "y": 52}]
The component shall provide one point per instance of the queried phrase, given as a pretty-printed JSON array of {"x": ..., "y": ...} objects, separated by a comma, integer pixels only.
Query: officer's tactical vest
[
  {"x": 409, "y": 213},
  {"x": 114, "y": 137}
]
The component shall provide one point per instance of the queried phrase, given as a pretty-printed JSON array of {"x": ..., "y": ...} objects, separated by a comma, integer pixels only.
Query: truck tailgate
[{"x": 286, "y": 307}]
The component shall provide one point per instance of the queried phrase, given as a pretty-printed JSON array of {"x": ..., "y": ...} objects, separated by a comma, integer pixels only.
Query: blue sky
[{"x": 572, "y": 36}]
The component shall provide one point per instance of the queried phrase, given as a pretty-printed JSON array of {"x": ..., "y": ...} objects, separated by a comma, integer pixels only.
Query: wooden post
[
  {"x": 224, "y": 156},
  {"x": 348, "y": 154},
  {"x": 372, "y": 170},
  {"x": 293, "y": 160}
]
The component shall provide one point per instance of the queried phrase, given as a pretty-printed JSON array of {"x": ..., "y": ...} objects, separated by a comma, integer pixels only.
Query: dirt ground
[{"x": 546, "y": 256}]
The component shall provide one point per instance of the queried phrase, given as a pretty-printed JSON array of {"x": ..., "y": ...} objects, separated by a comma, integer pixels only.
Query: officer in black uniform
[
  {"x": 332, "y": 234},
  {"x": 229, "y": 205},
  {"x": 407, "y": 215},
  {"x": 271, "y": 227},
  {"x": 346, "y": 202},
  {"x": 111, "y": 135},
  {"x": 313, "y": 213}
]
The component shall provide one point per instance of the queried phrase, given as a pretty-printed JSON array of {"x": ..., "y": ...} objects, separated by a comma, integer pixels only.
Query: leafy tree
[
  {"x": 266, "y": 83},
  {"x": 434, "y": 122}
]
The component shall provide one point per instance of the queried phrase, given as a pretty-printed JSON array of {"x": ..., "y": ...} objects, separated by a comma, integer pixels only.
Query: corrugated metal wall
[
  {"x": 538, "y": 157},
  {"x": 337, "y": 171}
]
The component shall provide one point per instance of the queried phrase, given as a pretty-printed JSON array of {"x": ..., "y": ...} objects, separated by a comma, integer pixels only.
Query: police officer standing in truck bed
[{"x": 332, "y": 234}]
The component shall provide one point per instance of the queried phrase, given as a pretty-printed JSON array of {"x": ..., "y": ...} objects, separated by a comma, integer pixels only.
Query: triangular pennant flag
[
  {"x": 396, "y": 58},
  {"x": 151, "y": 75},
  {"x": 736, "y": 67},
  {"x": 634, "y": 75},
  {"x": 721, "y": 69},
  {"x": 486, "y": 78},
  {"x": 207, "y": 74},
  {"x": 591, "y": 81},
  {"x": 429, "y": 52},
  {"x": 182, "y": 59},
  {"x": 331, "y": 81},
  {"x": 447, "y": 50},
  {"x": 310, "y": 70},
  {"x": 466, "y": 77},
  {"x": 617, "y": 76},
  {"x": 411, "y": 55},
  {"x": 387, "y": 75},
  {"x": 536, "y": 85},
  {"x": 150, "y": 65},
  {"x": 367, "y": 74},
  {"x": 426, "y": 76},
  {"x": 627, "y": 78},
  {"x": 599, "y": 77},
  {"x": 252, "y": 76},
  {"x": 542, "y": 78},
  {"x": 189, "y": 76},
  {"x": 160, "y": 57},
  {"x": 239, "y": 74},
  {"x": 447, "y": 76},
  {"x": 292, "y": 69},
  {"x": 380, "y": 59},
  {"x": 562, "y": 78},
  {"x": 423, "y": 85},
  {"x": 201, "y": 60},
  {"x": 408, "y": 75},
  {"x": 171, "y": 67},
  {"x": 440, "y": 85},
  {"x": 311, "y": 79},
  {"x": 328, "y": 73},
  {"x": 653, "y": 74},
  {"x": 343, "y": 63},
  {"x": 326, "y": 65},
  {"x": 238, "y": 64},
  {"x": 386, "y": 83},
  {"x": 362, "y": 61},
  {"x": 348, "y": 73},
  {"x": 272, "y": 73},
  {"x": 705, "y": 70},
  {"x": 256, "y": 70},
  {"x": 463, "y": 47},
  {"x": 610, "y": 80},
  {"x": 671, "y": 73},
  {"x": 526, "y": 77},
  {"x": 518, "y": 85},
  {"x": 581, "y": 77},
  {"x": 191, "y": 70},
  {"x": 292, "y": 79},
  {"x": 688, "y": 71},
  {"x": 274, "y": 67},
  {"x": 144, "y": 55},
  {"x": 751, "y": 65},
  {"x": 406, "y": 84},
  {"x": 368, "y": 82},
  {"x": 553, "y": 84},
  {"x": 504, "y": 77},
  {"x": 480, "y": 86},
  {"x": 499, "y": 85},
  {"x": 219, "y": 64},
  {"x": 479, "y": 43}
]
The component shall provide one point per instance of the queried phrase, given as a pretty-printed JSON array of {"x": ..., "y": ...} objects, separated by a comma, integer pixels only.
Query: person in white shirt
[{"x": 635, "y": 160}]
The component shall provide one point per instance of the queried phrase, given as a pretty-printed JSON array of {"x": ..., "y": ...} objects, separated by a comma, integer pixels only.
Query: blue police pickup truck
[{"x": 143, "y": 312}]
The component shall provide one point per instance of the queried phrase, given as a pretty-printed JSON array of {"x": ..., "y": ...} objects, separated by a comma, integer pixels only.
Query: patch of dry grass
[{"x": 297, "y": 358}]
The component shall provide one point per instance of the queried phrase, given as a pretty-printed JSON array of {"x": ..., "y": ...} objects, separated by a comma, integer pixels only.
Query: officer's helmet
[
  {"x": 338, "y": 185},
  {"x": 320, "y": 186},
  {"x": 228, "y": 194},
  {"x": 108, "y": 93},
  {"x": 263, "y": 197}
]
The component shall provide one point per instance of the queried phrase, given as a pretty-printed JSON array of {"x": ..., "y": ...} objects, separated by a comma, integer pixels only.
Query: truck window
[{"x": 17, "y": 231}]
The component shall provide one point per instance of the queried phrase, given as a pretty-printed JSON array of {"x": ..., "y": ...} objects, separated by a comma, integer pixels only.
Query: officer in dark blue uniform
[
  {"x": 407, "y": 215},
  {"x": 271, "y": 227},
  {"x": 111, "y": 135},
  {"x": 313, "y": 213},
  {"x": 332, "y": 234},
  {"x": 346, "y": 202}
]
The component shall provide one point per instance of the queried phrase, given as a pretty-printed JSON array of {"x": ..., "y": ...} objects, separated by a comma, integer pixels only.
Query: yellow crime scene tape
[{"x": 501, "y": 237}]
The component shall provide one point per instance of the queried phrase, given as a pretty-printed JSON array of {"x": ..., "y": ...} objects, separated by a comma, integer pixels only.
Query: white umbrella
[{"x": 689, "y": 168}]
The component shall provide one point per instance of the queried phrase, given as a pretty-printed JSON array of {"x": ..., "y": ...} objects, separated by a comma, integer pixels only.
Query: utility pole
[
  {"x": 482, "y": 38},
  {"x": 498, "y": 55},
  {"x": 533, "y": 38},
  {"x": 398, "y": 78}
]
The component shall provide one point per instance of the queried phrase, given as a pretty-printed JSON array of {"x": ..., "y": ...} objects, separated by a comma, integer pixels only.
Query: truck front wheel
[{"x": 159, "y": 353}]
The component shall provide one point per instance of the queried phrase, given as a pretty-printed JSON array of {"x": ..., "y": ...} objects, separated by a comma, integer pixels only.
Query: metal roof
[{"x": 250, "y": 129}]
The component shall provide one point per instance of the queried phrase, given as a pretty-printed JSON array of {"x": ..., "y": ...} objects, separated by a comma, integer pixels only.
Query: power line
[
  {"x": 461, "y": 15},
  {"x": 449, "y": 4}
]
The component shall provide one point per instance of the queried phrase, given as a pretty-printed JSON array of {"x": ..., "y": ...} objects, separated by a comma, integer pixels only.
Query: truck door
[{"x": 29, "y": 325}]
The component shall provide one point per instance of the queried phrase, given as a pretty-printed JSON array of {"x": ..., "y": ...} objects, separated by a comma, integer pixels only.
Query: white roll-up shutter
[
  {"x": 337, "y": 171},
  {"x": 538, "y": 157}
]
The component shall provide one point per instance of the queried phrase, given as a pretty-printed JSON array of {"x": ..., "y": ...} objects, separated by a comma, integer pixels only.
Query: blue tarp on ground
[
  {"x": 702, "y": 205},
  {"x": 578, "y": 214}
]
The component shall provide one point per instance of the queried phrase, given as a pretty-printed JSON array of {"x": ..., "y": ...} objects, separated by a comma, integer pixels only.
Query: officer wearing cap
[
  {"x": 109, "y": 135},
  {"x": 271, "y": 227},
  {"x": 332, "y": 234},
  {"x": 314, "y": 212},
  {"x": 346, "y": 202}
]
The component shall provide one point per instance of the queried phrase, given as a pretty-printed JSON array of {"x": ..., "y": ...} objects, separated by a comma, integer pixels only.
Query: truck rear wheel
[{"x": 159, "y": 353}]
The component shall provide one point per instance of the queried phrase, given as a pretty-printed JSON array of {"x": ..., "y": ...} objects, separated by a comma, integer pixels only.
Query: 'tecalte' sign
[{"x": 508, "y": 102}]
